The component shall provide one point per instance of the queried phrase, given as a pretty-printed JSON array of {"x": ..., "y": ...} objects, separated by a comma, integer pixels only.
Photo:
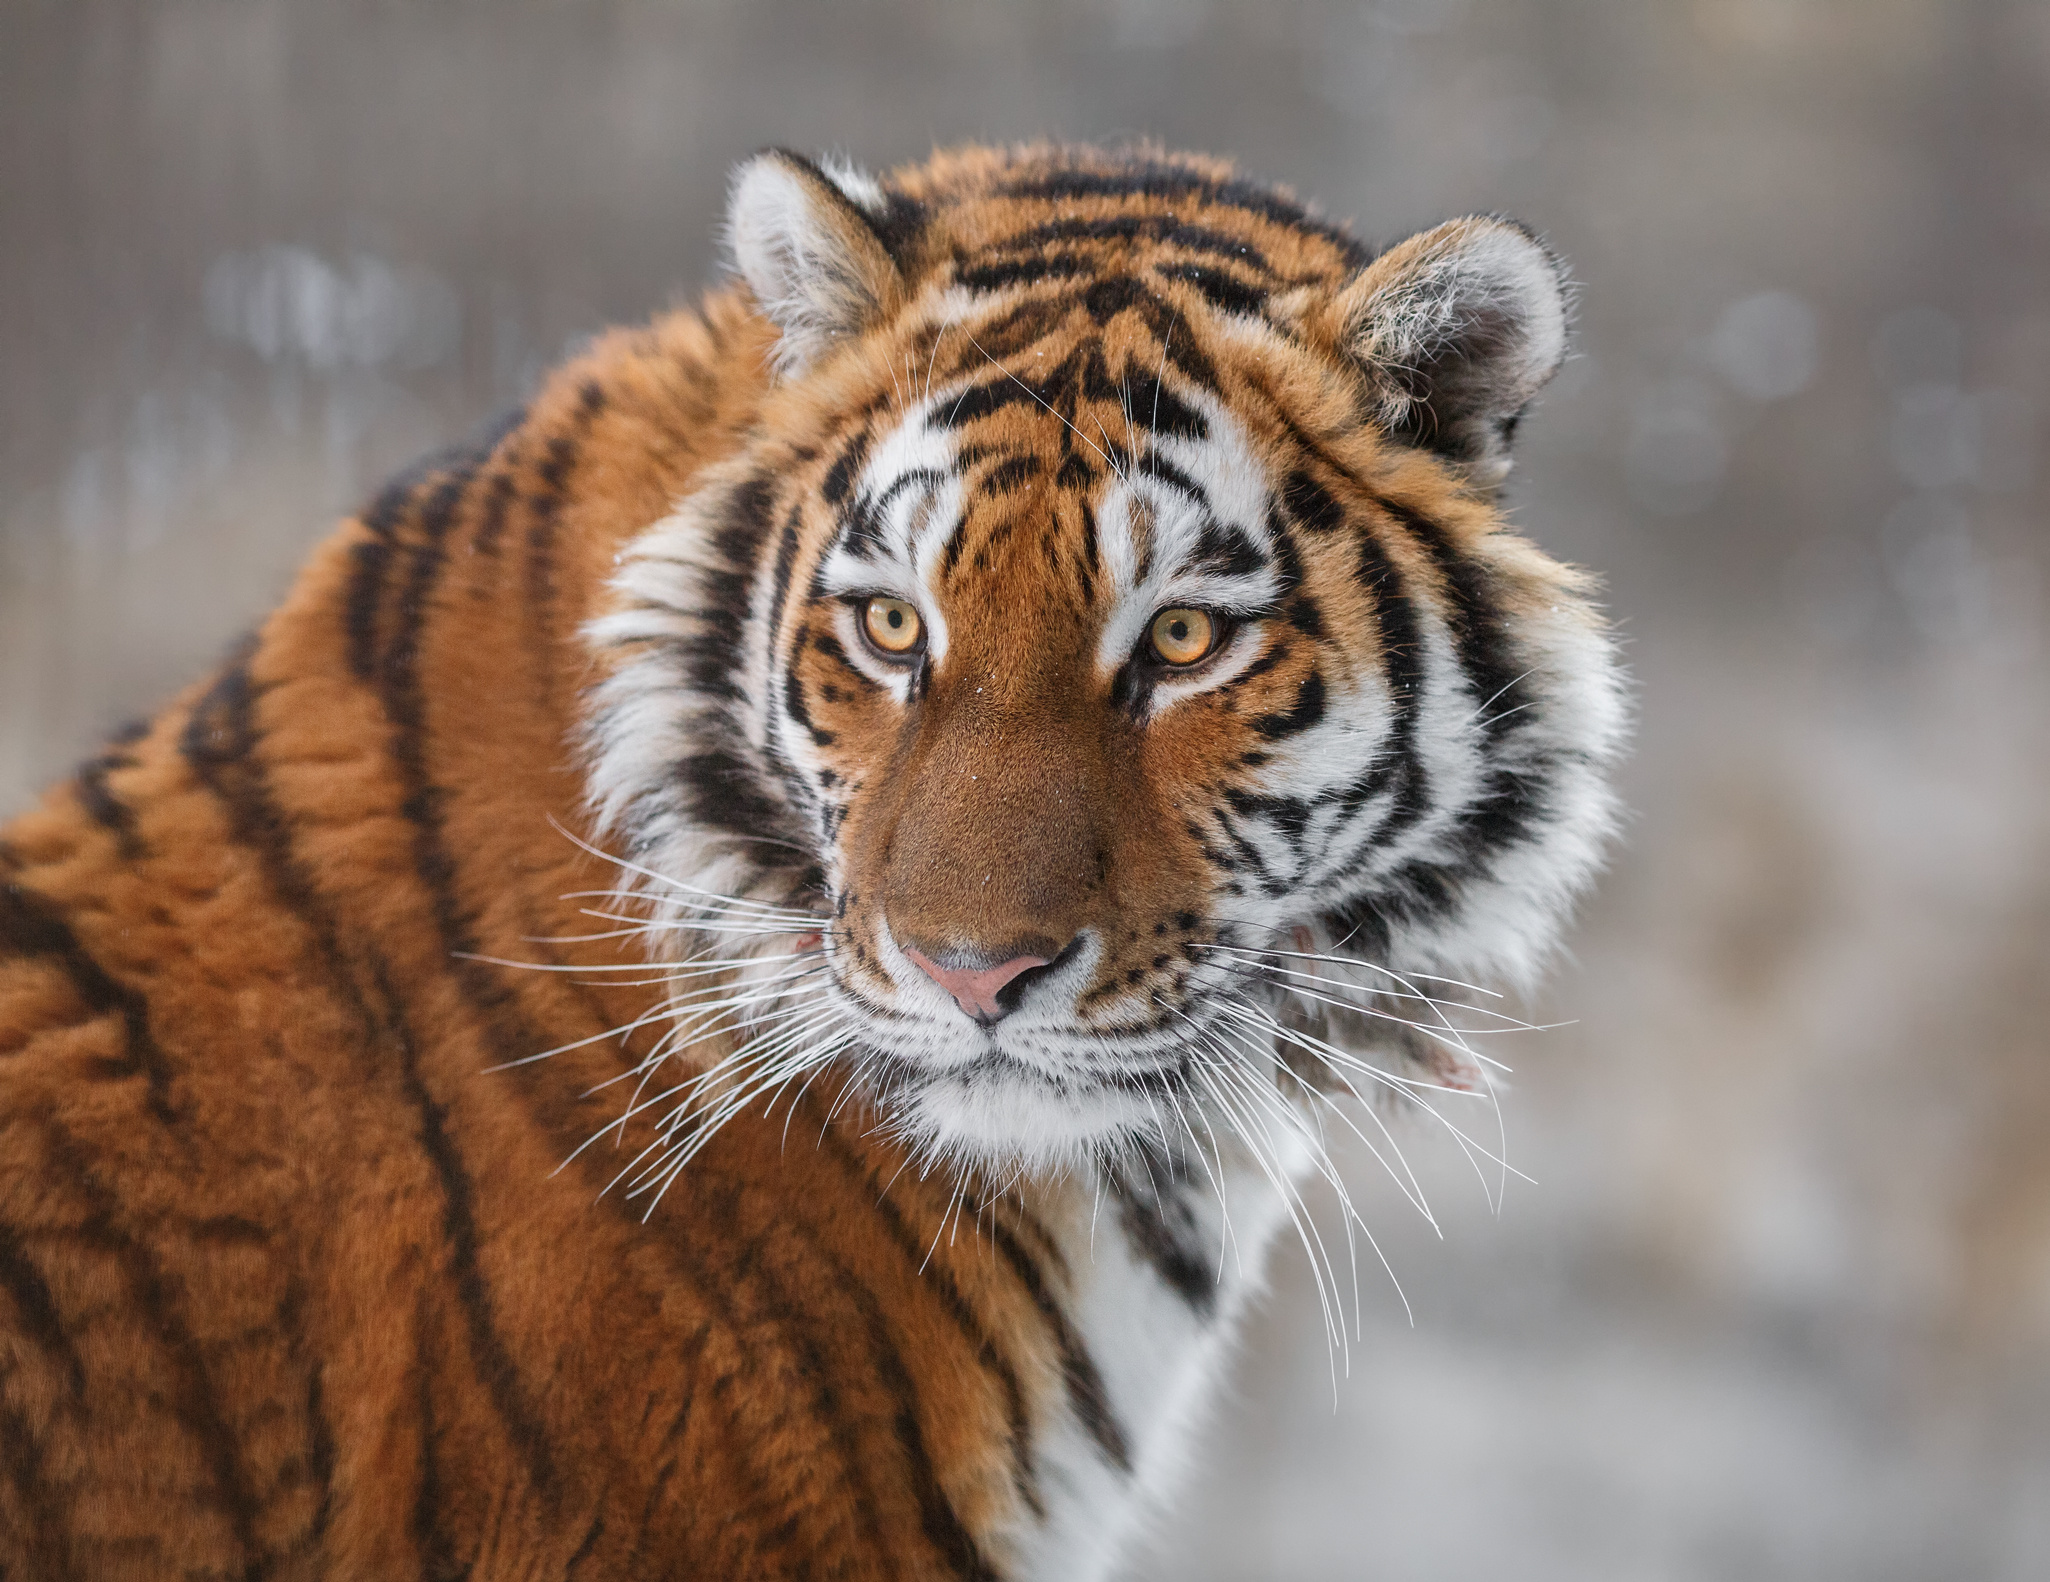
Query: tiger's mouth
[
  {"x": 994, "y": 1064},
  {"x": 1040, "y": 1083}
]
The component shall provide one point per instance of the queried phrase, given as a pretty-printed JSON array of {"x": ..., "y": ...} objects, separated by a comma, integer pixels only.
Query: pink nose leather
[{"x": 975, "y": 991}]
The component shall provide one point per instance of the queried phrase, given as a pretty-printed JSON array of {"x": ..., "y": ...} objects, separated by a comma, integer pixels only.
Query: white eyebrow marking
[
  {"x": 1235, "y": 491},
  {"x": 912, "y": 494}
]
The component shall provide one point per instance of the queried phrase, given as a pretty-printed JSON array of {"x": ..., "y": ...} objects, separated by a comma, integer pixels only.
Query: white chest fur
[{"x": 1160, "y": 1273}]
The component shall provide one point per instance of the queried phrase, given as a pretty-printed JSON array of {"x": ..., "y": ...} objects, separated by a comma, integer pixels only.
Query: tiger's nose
[{"x": 976, "y": 988}]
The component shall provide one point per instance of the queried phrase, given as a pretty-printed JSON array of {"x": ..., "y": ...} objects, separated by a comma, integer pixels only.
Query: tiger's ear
[
  {"x": 1457, "y": 328},
  {"x": 803, "y": 240}
]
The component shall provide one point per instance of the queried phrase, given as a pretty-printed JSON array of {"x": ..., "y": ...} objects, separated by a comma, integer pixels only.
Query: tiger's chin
[{"x": 1000, "y": 1115}]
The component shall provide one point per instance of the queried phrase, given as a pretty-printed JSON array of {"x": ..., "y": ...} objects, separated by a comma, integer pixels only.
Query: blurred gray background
[{"x": 1779, "y": 1303}]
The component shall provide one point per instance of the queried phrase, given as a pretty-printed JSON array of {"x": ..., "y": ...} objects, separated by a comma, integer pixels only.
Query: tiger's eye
[
  {"x": 1181, "y": 637},
  {"x": 892, "y": 625}
]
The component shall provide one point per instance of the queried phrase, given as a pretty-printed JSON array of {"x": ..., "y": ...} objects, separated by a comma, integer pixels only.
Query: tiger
[{"x": 740, "y": 979}]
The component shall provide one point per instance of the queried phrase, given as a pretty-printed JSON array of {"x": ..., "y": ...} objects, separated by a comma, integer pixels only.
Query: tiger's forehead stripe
[
  {"x": 1192, "y": 205},
  {"x": 1155, "y": 493}
]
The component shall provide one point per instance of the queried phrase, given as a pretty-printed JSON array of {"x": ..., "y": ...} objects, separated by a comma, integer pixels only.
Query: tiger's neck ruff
[{"x": 1038, "y": 697}]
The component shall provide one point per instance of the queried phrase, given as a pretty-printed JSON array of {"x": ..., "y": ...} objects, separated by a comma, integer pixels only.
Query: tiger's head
[{"x": 1106, "y": 658}]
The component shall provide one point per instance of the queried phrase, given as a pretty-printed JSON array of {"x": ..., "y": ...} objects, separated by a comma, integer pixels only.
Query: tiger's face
[
  {"x": 1064, "y": 694},
  {"x": 1111, "y": 607}
]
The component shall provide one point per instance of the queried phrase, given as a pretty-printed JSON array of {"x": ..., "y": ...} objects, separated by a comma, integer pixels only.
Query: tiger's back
[
  {"x": 291, "y": 1287},
  {"x": 294, "y": 1280}
]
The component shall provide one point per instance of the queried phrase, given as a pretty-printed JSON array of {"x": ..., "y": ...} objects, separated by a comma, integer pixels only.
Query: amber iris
[
  {"x": 1181, "y": 637},
  {"x": 892, "y": 625}
]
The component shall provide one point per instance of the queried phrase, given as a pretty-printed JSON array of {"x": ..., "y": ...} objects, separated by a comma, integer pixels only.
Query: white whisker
[{"x": 1405, "y": 1179}]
